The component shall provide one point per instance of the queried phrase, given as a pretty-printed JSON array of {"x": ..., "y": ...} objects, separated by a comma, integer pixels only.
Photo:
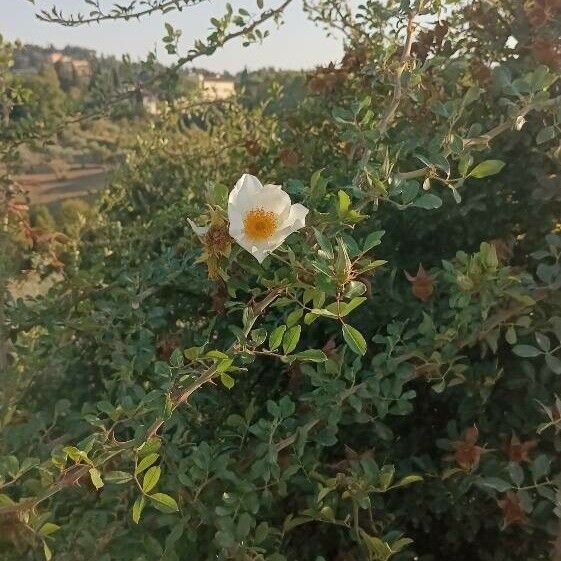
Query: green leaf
[
  {"x": 463, "y": 165},
  {"x": 510, "y": 335},
  {"x": 163, "y": 502},
  {"x": 526, "y": 351},
  {"x": 292, "y": 522},
  {"x": 227, "y": 380},
  {"x": 294, "y": 317},
  {"x": 324, "y": 312},
  {"x": 496, "y": 483},
  {"x": 386, "y": 476},
  {"x": 472, "y": 95},
  {"x": 6, "y": 501},
  {"x": 378, "y": 549},
  {"x": 261, "y": 532},
  {"x": 354, "y": 288},
  {"x": 244, "y": 525},
  {"x": 516, "y": 473},
  {"x": 258, "y": 336},
  {"x": 348, "y": 307},
  {"x": 151, "y": 478},
  {"x": 546, "y": 134},
  {"x": 192, "y": 353},
  {"x": 344, "y": 202},
  {"x": 486, "y": 168},
  {"x": 273, "y": 409},
  {"x": 309, "y": 318},
  {"x": 95, "y": 476},
  {"x": 161, "y": 369},
  {"x": 428, "y": 201},
  {"x": 553, "y": 363},
  {"x": 409, "y": 191},
  {"x": 74, "y": 454},
  {"x": 372, "y": 265},
  {"x": 311, "y": 355},
  {"x": 324, "y": 244},
  {"x": 176, "y": 358},
  {"x": 48, "y": 528},
  {"x": 372, "y": 240},
  {"x": 152, "y": 445},
  {"x": 47, "y": 552},
  {"x": 540, "y": 467},
  {"x": 137, "y": 509},
  {"x": 543, "y": 341},
  {"x": 291, "y": 338},
  {"x": 342, "y": 115},
  {"x": 217, "y": 193},
  {"x": 275, "y": 338},
  {"x": 400, "y": 544},
  {"x": 408, "y": 480},
  {"x": 223, "y": 365},
  {"x": 118, "y": 477},
  {"x": 354, "y": 339},
  {"x": 146, "y": 462},
  {"x": 216, "y": 354}
]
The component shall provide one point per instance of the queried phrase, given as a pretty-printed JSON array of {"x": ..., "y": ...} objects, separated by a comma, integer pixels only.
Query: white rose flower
[{"x": 262, "y": 216}]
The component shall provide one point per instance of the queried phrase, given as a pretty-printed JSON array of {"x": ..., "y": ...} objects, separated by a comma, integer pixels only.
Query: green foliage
[
  {"x": 42, "y": 217},
  {"x": 72, "y": 215},
  {"x": 321, "y": 404}
]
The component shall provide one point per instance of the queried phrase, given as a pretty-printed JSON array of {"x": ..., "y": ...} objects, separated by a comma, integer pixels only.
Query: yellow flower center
[{"x": 259, "y": 224}]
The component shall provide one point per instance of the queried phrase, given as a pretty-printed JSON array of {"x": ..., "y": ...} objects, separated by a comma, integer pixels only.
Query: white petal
[
  {"x": 274, "y": 199},
  {"x": 259, "y": 251},
  {"x": 236, "y": 223},
  {"x": 276, "y": 240},
  {"x": 241, "y": 200},
  {"x": 259, "y": 254},
  {"x": 244, "y": 242},
  {"x": 298, "y": 212},
  {"x": 244, "y": 192},
  {"x": 296, "y": 219},
  {"x": 199, "y": 230}
]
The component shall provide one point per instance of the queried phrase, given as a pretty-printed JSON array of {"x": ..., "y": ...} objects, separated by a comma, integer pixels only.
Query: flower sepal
[{"x": 216, "y": 241}]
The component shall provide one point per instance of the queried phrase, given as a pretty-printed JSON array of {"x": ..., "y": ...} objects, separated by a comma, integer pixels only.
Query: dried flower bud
[
  {"x": 289, "y": 158},
  {"x": 512, "y": 511},
  {"x": 253, "y": 147},
  {"x": 422, "y": 284}
]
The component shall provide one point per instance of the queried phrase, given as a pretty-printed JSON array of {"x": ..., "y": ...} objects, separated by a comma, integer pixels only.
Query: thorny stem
[
  {"x": 6, "y": 383},
  {"x": 403, "y": 62},
  {"x": 208, "y": 374},
  {"x": 126, "y": 14},
  {"x": 398, "y": 88},
  {"x": 80, "y": 471}
]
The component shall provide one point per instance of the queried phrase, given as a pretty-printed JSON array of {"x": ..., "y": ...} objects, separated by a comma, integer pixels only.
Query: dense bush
[{"x": 384, "y": 385}]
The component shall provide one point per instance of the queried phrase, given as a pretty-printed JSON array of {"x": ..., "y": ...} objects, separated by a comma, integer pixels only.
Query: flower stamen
[{"x": 259, "y": 224}]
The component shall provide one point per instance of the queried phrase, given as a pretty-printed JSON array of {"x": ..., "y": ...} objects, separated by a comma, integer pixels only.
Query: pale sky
[{"x": 297, "y": 44}]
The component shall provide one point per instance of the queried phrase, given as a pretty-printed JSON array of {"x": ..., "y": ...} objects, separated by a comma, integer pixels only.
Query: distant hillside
[{"x": 31, "y": 58}]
